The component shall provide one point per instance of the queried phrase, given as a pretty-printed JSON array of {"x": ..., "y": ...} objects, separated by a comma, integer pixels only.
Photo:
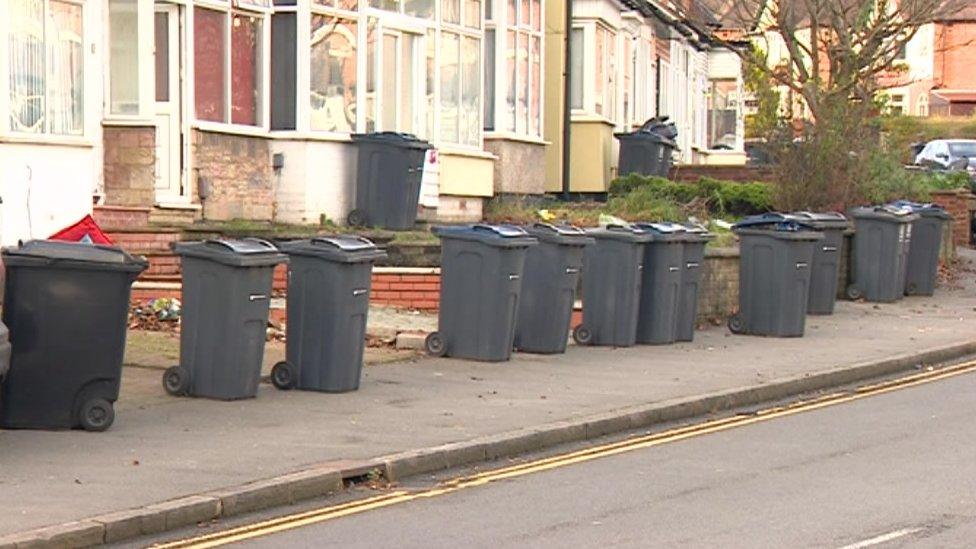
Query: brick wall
[
  {"x": 719, "y": 293},
  {"x": 413, "y": 289},
  {"x": 129, "y": 165},
  {"x": 238, "y": 169},
  {"x": 691, "y": 173},
  {"x": 959, "y": 204},
  {"x": 120, "y": 217}
]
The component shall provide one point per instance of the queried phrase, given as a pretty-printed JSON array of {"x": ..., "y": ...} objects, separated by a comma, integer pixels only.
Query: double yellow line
[{"x": 307, "y": 518}]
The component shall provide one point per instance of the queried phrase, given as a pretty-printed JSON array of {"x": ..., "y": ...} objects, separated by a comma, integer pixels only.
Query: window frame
[
  {"x": 263, "y": 104},
  {"x": 145, "y": 11},
  {"x": 498, "y": 22},
  {"x": 6, "y": 130}
]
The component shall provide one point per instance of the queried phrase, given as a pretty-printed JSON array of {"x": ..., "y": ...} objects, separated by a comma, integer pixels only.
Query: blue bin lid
[
  {"x": 628, "y": 233},
  {"x": 502, "y": 236},
  {"x": 773, "y": 221},
  {"x": 246, "y": 252},
  {"x": 336, "y": 248},
  {"x": 561, "y": 233},
  {"x": 51, "y": 252},
  {"x": 665, "y": 231},
  {"x": 923, "y": 209}
]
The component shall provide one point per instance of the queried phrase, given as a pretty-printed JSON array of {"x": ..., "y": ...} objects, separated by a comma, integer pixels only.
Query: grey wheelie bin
[
  {"x": 226, "y": 295},
  {"x": 481, "y": 279},
  {"x": 66, "y": 305},
  {"x": 549, "y": 284},
  {"x": 925, "y": 247},
  {"x": 612, "y": 286},
  {"x": 328, "y": 301},
  {"x": 774, "y": 276},
  {"x": 660, "y": 301},
  {"x": 826, "y": 258},
  {"x": 882, "y": 236},
  {"x": 696, "y": 237},
  {"x": 390, "y": 167}
]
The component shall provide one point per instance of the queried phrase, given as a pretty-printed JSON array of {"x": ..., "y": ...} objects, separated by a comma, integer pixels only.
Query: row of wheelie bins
[
  {"x": 790, "y": 263},
  {"x": 505, "y": 287}
]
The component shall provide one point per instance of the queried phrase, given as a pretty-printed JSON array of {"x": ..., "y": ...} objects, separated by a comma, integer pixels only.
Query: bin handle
[
  {"x": 225, "y": 244},
  {"x": 830, "y": 248},
  {"x": 262, "y": 242}
]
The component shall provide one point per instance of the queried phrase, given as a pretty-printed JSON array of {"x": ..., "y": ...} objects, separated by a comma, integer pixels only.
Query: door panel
[{"x": 169, "y": 172}]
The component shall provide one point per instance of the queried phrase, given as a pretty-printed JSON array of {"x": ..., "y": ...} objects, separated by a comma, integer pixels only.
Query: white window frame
[
  {"x": 263, "y": 124},
  {"x": 612, "y": 99},
  {"x": 499, "y": 23},
  {"x": 46, "y": 136},
  {"x": 463, "y": 30}
]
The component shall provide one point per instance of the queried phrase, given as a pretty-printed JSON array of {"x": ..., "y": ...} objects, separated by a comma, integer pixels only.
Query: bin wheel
[
  {"x": 356, "y": 218},
  {"x": 853, "y": 293},
  {"x": 911, "y": 289},
  {"x": 283, "y": 376},
  {"x": 96, "y": 415},
  {"x": 582, "y": 335},
  {"x": 435, "y": 344},
  {"x": 735, "y": 324},
  {"x": 176, "y": 380}
]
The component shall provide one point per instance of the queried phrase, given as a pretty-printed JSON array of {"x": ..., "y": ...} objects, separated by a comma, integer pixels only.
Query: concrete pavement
[{"x": 162, "y": 448}]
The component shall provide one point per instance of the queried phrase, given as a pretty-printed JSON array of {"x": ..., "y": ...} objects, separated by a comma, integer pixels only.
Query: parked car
[{"x": 949, "y": 154}]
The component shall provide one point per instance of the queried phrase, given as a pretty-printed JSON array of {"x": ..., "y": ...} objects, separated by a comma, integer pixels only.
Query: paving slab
[{"x": 162, "y": 448}]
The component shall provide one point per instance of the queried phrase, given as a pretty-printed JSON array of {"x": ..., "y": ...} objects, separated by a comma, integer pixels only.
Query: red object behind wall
[{"x": 85, "y": 230}]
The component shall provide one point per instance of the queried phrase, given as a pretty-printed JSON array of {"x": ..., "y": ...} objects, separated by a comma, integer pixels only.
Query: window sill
[
  {"x": 128, "y": 122},
  {"x": 294, "y": 135},
  {"x": 591, "y": 118},
  {"x": 508, "y": 136},
  {"x": 453, "y": 150},
  {"x": 48, "y": 140},
  {"x": 231, "y": 129}
]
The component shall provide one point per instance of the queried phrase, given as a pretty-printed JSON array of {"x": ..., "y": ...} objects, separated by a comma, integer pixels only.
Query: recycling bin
[
  {"x": 226, "y": 295},
  {"x": 879, "y": 259},
  {"x": 481, "y": 279},
  {"x": 328, "y": 302},
  {"x": 925, "y": 247},
  {"x": 827, "y": 254},
  {"x": 612, "y": 286},
  {"x": 774, "y": 276},
  {"x": 549, "y": 284},
  {"x": 657, "y": 317},
  {"x": 695, "y": 237},
  {"x": 390, "y": 167},
  {"x": 66, "y": 307}
]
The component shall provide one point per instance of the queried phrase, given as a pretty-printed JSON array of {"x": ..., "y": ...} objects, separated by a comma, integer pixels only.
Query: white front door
[{"x": 170, "y": 187}]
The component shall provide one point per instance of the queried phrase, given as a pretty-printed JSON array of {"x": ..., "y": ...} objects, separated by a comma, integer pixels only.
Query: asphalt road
[{"x": 893, "y": 470}]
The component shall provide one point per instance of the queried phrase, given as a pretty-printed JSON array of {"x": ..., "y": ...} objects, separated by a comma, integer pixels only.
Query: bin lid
[
  {"x": 664, "y": 232},
  {"x": 502, "y": 236},
  {"x": 73, "y": 253},
  {"x": 395, "y": 139},
  {"x": 562, "y": 233},
  {"x": 696, "y": 232},
  {"x": 887, "y": 212},
  {"x": 336, "y": 248},
  {"x": 924, "y": 210},
  {"x": 774, "y": 221},
  {"x": 246, "y": 252},
  {"x": 820, "y": 220},
  {"x": 627, "y": 233}
]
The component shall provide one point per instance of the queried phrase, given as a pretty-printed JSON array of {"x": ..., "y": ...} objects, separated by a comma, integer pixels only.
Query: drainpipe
[{"x": 567, "y": 104}]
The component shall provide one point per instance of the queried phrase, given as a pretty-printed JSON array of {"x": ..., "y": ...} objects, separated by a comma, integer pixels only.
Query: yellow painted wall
[
  {"x": 590, "y": 146},
  {"x": 555, "y": 46},
  {"x": 465, "y": 174}
]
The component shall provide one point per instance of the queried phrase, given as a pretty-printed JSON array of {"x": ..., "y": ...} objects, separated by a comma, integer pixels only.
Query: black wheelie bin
[
  {"x": 328, "y": 302},
  {"x": 66, "y": 305},
  {"x": 660, "y": 301},
  {"x": 879, "y": 258},
  {"x": 925, "y": 247},
  {"x": 481, "y": 279},
  {"x": 826, "y": 258},
  {"x": 549, "y": 283},
  {"x": 390, "y": 168},
  {"x": 226, "y": 296},
  {"x": 612, "y": 286},
  {"x": 695, "y": 237},
  {"x": 774, "y": 276}
]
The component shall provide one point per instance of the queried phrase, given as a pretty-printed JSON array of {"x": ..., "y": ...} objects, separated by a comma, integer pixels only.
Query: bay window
[
  {"x": 228, "y": 64},
  {"x": 333, "y": 75},
  {"x": 513, "y": 82},
  {"x": 46, "y": 63},
  {"x": 460, "y": 73},
  {"x": 605, "y": 82},
  {"x": 124, "y": 75}
]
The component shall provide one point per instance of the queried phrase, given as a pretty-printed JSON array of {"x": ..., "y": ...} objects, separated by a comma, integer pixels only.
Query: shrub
[{"x": 722, "y": 198}]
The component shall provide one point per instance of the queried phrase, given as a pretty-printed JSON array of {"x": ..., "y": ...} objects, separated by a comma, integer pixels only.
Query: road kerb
[{"x": 323, "y": 479}]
